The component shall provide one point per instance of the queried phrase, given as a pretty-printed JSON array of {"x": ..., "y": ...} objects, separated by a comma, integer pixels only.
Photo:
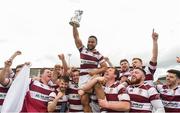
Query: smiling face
[
  {"x": 92, "y": 42},
  {"x": 171, "y": 79},
  {"x": 75, "y": 76},
  {"x": 63, "y": 83},
  {"x": 46, "y": 75},
  {"x": 124, "y": 66},
  {"x": 136, "y": 62},
  {"x": 137, "y": 76}
]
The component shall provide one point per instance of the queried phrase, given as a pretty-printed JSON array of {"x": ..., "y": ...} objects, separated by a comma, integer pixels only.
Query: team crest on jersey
[
  {"x": 165, "y": 91},
  {"x": 131, "y": 90},
  {"x": 111, "y": 90}
]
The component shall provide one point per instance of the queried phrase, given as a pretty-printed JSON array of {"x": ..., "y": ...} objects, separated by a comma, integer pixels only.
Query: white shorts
[
  {"x": 83, "y": 80},
  {"x": 95, "y": 107}
]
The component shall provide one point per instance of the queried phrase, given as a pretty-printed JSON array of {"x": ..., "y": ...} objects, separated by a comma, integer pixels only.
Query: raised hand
[
  {"x": 27, "y": 63},
  {"x": 61, "y": 56},
  {"x": 154, "y": 35},
  {"x": 8, "y": 63},
  {"x": 14, "y": 55}
]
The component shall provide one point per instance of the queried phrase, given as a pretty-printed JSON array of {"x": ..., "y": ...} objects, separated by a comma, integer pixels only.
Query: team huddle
[{"x": 96, "y": 86}]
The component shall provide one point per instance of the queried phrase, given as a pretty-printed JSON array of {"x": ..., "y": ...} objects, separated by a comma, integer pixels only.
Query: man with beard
[
  {"x": 117, "y": 99},
  {"x": 58, "y": 98},
  {"x": 151, "y": 68},
  {"x": 170, "y": 92},
  {"x": 124, "y": 70},
  {"x": 143, "y": 97},
  {"x": 90, "y": 60}
]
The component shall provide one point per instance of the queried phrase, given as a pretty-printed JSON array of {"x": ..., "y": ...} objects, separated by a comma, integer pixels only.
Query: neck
[
  {"x": 92, "y": 50},
  {"x": 141, "y": 83},
  {"x": 44, "y": 82},
  {"x": 173, "y": 86},
  {"x": 110, "y": 82}
]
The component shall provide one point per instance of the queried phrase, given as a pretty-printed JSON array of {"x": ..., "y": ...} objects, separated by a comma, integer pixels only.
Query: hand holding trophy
[{"x": 75, "y": 20}]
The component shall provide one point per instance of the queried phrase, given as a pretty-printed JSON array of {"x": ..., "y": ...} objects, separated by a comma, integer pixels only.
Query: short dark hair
[
  {"x": 137, "y": 59},
  {"x": 144, "y": 72},
  {"x": 124, "y": 60},
  {"x": 177, "y": 72},
  {"x": 64, "y": 78},
  {"x": 43, "y": 69},
  {"x": 19, "y": 66},
  {"x": 92, "y": 36},
  {"x": 116, "y": 72}
]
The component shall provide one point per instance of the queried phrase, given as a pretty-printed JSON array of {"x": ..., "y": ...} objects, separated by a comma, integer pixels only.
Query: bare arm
[
  {"x": 77, "y": 40},
  {"x": 92, "y": 82},
  {"x": 100, "y": 70},
  {"x": 4, "y": 72},
  {"x": 7, "y": 70},
  {"x": 52, "y": 104},
  {"x": 64, "y": 63},
  {"x": 155, "y": 47},
  {"x": 115, "y": 105}
]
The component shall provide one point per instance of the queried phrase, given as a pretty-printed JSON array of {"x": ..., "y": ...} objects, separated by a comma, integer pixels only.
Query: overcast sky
[{"x": 41, "y": 30}]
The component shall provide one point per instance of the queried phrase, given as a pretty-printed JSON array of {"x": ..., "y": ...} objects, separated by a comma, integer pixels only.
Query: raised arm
[
  {"x": 64, "y": 63},
  {"x": 155, "y": 47},
  {"x": 53, "y": 103},
  {"x": 77, "y": 40},
  {"x": 7, "y": 70}
]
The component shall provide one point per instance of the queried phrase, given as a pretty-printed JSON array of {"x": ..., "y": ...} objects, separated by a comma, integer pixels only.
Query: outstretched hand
[{"x": 61, "y": 56}]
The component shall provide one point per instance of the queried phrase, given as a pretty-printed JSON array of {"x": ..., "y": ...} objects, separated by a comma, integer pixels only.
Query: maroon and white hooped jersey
[
  {"x": 36, "y": 99},
  {"x": 116, "y": 92},
  {"x": 74, "y": 98},
  {"x": 144, "y": 98},
  {"x": 63, "y": 99},
  {"x": 150, "y": 70},
  {"x": 89, "y": 60},
  {"x": 4, "y": 89},
  {"x": 170, "y": 98}
]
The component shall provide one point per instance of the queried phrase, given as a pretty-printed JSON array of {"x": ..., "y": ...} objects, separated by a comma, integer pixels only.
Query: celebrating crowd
[{"x": 96, "y": 86}]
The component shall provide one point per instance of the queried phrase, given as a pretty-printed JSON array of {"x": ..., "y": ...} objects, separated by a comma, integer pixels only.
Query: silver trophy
[{"x": 75, "y": 20}]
